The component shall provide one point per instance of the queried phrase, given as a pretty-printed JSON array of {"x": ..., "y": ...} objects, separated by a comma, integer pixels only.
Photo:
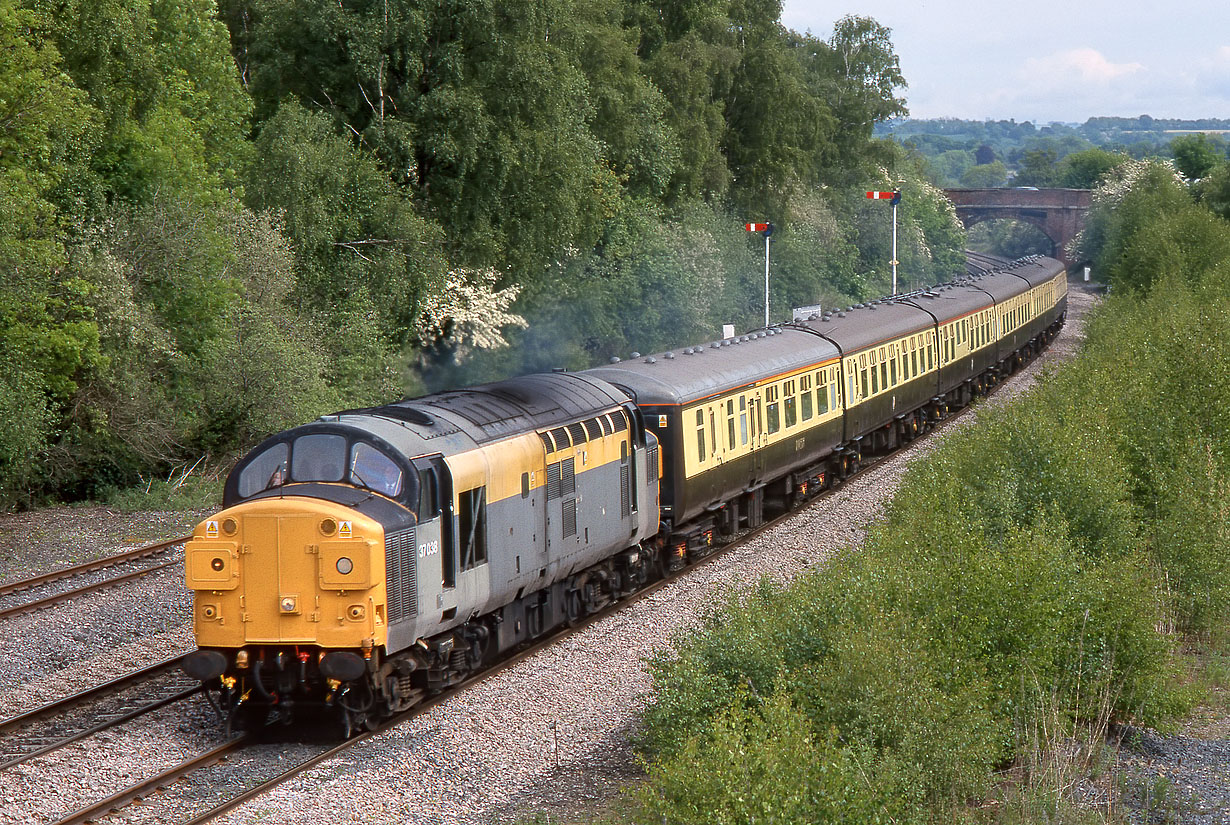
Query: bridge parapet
[{"x": 1059, "y": 213}]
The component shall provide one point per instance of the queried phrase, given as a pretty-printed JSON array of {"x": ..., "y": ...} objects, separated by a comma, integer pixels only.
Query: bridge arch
[{"x": 1059, "y": 213}]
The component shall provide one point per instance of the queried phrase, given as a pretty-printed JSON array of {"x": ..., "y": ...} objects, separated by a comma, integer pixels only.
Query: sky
[{"x": 1048, "y": 60}]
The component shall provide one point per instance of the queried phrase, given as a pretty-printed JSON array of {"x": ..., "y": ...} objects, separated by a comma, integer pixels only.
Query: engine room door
[{"x": 437, "y": 562}]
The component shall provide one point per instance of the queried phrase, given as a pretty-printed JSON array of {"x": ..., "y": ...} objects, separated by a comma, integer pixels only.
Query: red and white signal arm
[
  {"x": 887, "y": 196},
  {"x": 755, "y": 227}
]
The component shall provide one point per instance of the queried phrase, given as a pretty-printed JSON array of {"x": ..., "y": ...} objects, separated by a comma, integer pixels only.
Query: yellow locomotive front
[{"x": 289, "y": 598}]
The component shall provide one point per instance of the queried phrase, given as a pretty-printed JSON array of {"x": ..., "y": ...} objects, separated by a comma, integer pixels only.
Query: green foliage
[
  {"x": 1010, "y": 239},
  {"x": 1085, "y": 170},
  {"x": 1196, "y": 155},
  {"x": 985, "y": 176},
  {"x": 765, "y": 766},
  {"x": 219, "y": 233}
]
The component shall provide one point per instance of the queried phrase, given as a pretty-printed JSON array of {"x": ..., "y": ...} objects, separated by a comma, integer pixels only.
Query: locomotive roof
[
  {"x": 487, "y": 412},
  {"x": 691, "y": 373}
]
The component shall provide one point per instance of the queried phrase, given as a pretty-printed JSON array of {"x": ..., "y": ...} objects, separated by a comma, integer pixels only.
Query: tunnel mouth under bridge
[{"x": 1058, "y": 213}]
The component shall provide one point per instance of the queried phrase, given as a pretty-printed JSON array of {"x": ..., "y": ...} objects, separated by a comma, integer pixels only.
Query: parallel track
[
  {"x": 82, "y": 569},
  {"x": 142, "y": 789},
  {"x": 40, "y": 730}
]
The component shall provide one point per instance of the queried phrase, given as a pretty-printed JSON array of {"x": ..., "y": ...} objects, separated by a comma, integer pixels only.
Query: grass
[{"x": 186, "y": 488}]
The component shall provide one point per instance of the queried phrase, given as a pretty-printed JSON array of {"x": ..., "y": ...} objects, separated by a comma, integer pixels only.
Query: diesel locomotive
[{"x": 379, "y": 555}]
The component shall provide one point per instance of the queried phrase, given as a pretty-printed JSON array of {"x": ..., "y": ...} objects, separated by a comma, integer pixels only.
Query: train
[{"x": 377, "y": 556}]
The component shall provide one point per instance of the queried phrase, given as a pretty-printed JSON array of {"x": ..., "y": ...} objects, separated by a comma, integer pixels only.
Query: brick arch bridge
[{"x": 1059, "y": 213}]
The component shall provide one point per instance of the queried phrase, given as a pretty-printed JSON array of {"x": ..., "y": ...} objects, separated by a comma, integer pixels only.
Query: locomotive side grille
[
  {"x": 577, "y": 431},
  {"x": 568, "y": 477},
  {"x": 553, "y": 487},
  {"x": 625, "y": 479},
  {"x": 570, "y": 517},
  {"x": 621, "y": 421},
  {"x": 401, "y": 571},
  {"x": 651, "y": 464}
]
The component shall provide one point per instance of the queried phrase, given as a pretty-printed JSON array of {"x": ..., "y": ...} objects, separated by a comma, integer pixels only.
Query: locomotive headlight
[
  {"x": 217, "y": 564},
  {"x": 288, "y": 604},
  {"x": 344, "y": 565},
  {"x": 356, "y": 611},
  {"x": 229, "y": 526}
]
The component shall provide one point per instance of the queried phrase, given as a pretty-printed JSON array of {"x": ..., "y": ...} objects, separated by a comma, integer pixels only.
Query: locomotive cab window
[
  {"x": 374, "y": 470},
  {"x": 318, "y": 457},
  {"x": 266, "y": 470}
]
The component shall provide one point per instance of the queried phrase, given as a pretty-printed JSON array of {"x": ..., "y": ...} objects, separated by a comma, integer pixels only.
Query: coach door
[
  {"x": 437, "y": 561},
  {"x": 759, "y": 438}
]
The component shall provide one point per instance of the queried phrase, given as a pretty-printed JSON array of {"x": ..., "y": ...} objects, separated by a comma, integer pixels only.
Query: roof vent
[
  {"x": 716, "y": 344},
  {"x": 670, "y": 356},
  {"x": 615, "y": 359},
  {"x": 841, "y": 315},
  {"x": 636, "y": 355},
  {"x": 651, "y": 360}
]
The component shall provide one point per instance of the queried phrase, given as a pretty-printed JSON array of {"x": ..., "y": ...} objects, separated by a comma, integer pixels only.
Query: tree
[
  {"x": 161, "y": 76},
  {"x": 985, "y": 176},
  {"x": 1196, "y": 155},
  {"x": 1038, "y": 168},
  {"x": 1085, "y": 170}
]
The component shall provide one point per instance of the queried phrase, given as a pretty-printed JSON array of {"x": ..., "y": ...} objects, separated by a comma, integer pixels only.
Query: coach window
[
  {"x": 792, "y": 413},
  {"x": 713, "y": 431},
  {"x": 883, "y": 369},
  {"x": 864, "y": 386},
  {"x": 892, "y": 370},
  {"x": 914, "y": 356},
  {"x": 875, "y": 374},
  {"x": 743, "y": 420},
  {"x": 775, "y": 414},
  {"x": 730, "y": 424},
  {"x": 806, "y": 398},
  {"x": 700, "y": 435}
]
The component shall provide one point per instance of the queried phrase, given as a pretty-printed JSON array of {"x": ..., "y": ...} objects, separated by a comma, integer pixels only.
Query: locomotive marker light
[
  {"x": 893, "y": 198},
  {"x": 767, "y": 229}
]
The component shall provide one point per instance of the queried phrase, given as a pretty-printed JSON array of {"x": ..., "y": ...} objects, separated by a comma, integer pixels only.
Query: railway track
[
  {"x": 61, "y": 723},
  {"x": 144, "y": 789},
  {"x": 233, "y": 748},
  {"x": 49, "y": 588}
]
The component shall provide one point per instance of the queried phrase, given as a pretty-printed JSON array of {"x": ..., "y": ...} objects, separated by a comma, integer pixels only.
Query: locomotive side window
[
  {"x": 266, "y": 470},
  {"x": 374, "y": 470},
  {"x": 806, "y": 398},
  {"x": 472, "y": 527},
  {"x": 319, "y": 457}
]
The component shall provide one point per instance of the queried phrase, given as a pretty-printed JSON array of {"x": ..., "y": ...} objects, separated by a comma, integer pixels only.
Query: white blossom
[{"x": 469, "y": 314}]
